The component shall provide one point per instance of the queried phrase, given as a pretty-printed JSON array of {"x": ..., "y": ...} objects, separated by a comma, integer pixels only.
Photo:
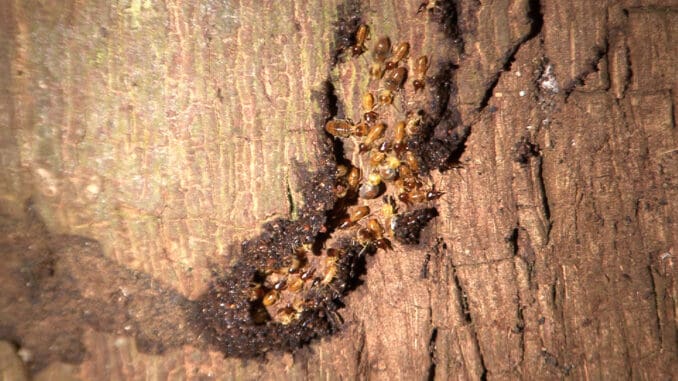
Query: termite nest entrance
[
  {"x": 372, "y": 189},
  {"x": 404, "y": 128},
  {"x": 444, "y": 13}
]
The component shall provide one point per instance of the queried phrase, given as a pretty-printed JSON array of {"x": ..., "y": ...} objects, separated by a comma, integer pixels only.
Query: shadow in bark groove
[{"x": 55, "y": 286}]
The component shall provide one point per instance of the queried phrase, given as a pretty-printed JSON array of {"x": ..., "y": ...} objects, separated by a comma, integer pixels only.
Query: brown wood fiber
[{"x": 168, "y": 132}]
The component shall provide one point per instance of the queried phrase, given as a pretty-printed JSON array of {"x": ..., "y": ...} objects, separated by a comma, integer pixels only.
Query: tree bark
[{"x": 150, "y": 139}]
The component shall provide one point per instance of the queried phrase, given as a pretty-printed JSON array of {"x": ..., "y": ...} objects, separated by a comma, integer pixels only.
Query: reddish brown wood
[{"x": 169, "y": 132}]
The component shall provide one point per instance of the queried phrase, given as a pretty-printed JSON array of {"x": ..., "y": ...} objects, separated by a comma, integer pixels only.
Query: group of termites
[{"x": 385, "y": 167}]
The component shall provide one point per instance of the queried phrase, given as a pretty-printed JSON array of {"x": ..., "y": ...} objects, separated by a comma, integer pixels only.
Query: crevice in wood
[
  {"x": 423, "y": 273},
  {"x": 535, "y": 15},
  {"x": 227, "y": 315},
  {"x": 445, "y": 141},
  {"x": 437, "y": 250},
  {"x": 591, "y": 66},
  {"x": 483, "y": 367},
  {"x": 431, "y": 374},
  {"x": 525, "y": 150},
  {"x": 552, "y": 360},
  {"x": 445, "y": 13},
  {"x": 512, "y": 240},
  {"x": 361, "y": 354},
  {"x": 292, "y": 207},
  {"x": 246, "y": 314},
  {"x": 461, "y": 296},
  {"x": 468, "y": 319},
  {"x": 629, "y": 68},
  {"x": 528, "y": 155},
  {"x": 657, "y": 313},
  {"x": 545, "y": 199},
  {"x": 520, "y": 324}
]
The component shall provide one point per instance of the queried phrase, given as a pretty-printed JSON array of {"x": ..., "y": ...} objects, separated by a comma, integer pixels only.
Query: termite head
[{"x": 370, "y": 117}]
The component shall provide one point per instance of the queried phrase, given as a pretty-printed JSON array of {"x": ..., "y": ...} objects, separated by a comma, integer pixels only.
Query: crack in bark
[
  {"x": 655, "y": 294},
  {"x": 468, "y": 319},
  {"x": 423, "y": 274},
  {"x": 534, "y": 13},
  {"x": 520, "y": 326},
  {"x": 437, "y": 250},
  {"x": 512, "y": 240},
  {"x": 483, "y": 373},
  {"x": 525, "y": 254},
  {"x": 483, "y": 263},
  {"x": 591, "y": 67},
  {"x": 290, "y": 199},
  {"x": 545, "y": 200},
  {"x": 361, "y": 352},
  {"x": 525, "y": 152},
  {"x": 463, "y": 301},
  {"x": 445, "y": 13},
  {"x": 432, "y": 354}
]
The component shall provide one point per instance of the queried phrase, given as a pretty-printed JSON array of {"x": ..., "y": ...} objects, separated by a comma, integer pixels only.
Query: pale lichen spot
[
  {"x": 48, "y": 184},
  {"x": 93, "y": 189}
]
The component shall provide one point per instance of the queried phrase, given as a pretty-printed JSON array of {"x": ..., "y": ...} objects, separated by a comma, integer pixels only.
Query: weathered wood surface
[{"x": 168, "y": 133}]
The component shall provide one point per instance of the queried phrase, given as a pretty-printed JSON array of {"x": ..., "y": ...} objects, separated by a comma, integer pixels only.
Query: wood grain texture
[{"x": 169, "y": 132}]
